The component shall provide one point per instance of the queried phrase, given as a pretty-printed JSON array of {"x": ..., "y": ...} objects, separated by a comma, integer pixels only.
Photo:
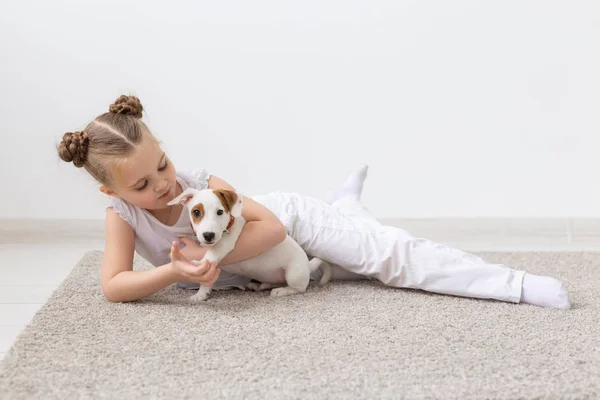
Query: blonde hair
[{"x": 111, "y": 136}]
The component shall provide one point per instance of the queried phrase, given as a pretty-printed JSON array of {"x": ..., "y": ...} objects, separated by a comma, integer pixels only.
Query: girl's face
[{"x": 146, "y": 178}]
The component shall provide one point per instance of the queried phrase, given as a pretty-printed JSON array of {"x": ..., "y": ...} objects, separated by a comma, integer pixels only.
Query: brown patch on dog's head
[
  {"x": 197, "y": 212},
  {"x": 228, "y": 198}
]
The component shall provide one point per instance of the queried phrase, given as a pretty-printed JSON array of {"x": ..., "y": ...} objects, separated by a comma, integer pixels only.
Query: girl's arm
[
  {"x": 263, "y": 231},
  {"x": 121, "y": 284}
]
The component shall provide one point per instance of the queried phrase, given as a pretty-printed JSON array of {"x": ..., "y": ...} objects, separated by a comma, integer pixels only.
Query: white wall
[{"x": 462, "y": 108}]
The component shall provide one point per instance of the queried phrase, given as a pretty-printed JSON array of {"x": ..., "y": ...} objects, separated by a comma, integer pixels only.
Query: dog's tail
[{"x": 314, "y": 265}]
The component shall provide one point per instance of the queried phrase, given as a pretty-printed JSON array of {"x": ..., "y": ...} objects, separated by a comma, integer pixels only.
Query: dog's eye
[
  {"x": 196, "y": 213},
  {"x": 220, "y": 212}
]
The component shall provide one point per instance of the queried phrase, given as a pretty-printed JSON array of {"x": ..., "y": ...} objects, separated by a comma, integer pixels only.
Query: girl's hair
[{"x": 110, "y": 137}]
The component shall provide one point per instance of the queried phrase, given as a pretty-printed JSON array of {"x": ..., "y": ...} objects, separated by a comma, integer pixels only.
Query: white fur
[{"x": 286, "y": 263}]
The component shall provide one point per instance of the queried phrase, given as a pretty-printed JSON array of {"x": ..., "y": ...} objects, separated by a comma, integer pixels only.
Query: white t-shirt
[{"x": 153, "y": 238}]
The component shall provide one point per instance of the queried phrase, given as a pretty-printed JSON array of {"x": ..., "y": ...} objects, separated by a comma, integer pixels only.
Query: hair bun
[
  {"x": 127, "y": 105},
  {"x": 74, "y": 148}
]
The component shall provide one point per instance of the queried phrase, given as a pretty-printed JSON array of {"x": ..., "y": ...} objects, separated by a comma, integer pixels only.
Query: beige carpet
[{"x": 346, "y": 340}]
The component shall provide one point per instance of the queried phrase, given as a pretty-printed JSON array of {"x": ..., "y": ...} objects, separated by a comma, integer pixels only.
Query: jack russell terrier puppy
[{"x": 216, "y": 218}]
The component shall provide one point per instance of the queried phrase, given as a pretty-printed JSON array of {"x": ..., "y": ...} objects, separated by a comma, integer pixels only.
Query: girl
[{"x": 121, "y": 153}]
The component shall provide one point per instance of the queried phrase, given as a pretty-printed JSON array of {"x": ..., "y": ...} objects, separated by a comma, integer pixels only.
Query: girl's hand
[
  {"x": 205, "y": 274},
  {"x": 192, "y": 250}
]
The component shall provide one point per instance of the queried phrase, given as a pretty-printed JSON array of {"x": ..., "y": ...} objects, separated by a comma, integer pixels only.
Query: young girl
[{"x": 121, "y": 153}]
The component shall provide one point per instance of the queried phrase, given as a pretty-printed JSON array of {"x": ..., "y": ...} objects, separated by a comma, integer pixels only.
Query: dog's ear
[
  {"x": 184, "y": 197},
  {"x": 236, "y": 209},
  {"x": 231, "y": 200}
]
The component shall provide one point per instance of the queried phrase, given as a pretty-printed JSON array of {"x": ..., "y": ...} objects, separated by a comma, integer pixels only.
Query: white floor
[
  {"x": 33, "y": 265},
  {"x": 29, "y": 273}
]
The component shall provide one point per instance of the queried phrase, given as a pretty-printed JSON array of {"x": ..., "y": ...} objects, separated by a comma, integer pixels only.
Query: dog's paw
[
  {"x": 255, "y": 286},
  {"x": 284, "y": 291},
  {"x": 198, "y": 298}
]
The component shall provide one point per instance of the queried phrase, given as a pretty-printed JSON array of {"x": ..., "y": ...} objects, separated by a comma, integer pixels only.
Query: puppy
[{"x": 216, "y": 218}]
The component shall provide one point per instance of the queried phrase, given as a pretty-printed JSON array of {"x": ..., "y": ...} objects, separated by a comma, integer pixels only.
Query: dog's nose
[{"x": 209, "y": 236}]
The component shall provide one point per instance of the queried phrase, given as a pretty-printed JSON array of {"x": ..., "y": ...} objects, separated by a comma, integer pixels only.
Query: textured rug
[{"x": 351, "y": 340}]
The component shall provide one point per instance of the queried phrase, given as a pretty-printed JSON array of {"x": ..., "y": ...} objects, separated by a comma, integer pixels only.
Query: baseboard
[
  {"x": 50, "y": 230},
  {"x": 480, "y": 226},
  {"x": 474, "y": 232},
  {"x": 507, "y": 234}
]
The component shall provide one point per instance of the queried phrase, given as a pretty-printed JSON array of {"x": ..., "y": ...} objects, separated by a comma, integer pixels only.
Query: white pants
[{"x": 346, "y": 234}]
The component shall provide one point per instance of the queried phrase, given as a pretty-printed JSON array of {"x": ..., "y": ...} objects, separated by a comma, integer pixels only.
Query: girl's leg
[
  {"x": 346, "y": 234},
  {"x": 340, "y": 234}
]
